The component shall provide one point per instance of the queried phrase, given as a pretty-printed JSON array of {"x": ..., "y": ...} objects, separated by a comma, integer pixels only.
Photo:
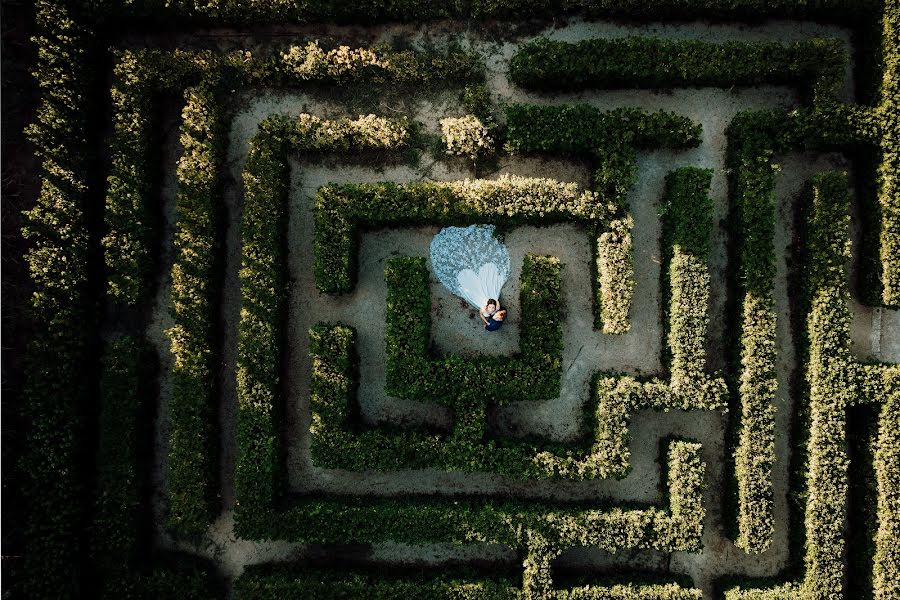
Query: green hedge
[
  {"x": 280, "y": 580},
  {"x": 833, "y": 382},
  {"x": 342, "y": 211},
  {"x": 237, "y": 12},
  {"x": 467, "y": 386},
  {"x": 124, "y": 386},
  {"x": 412, "y": 374},
  {"x": 610, "y": 139},
  {"x": 117, "y": 550},
  {"x": 132, "y": 213},
  {"x": 263, "y": 278},
  {"x": 886, "y": 575},
  {"x": 196, "y": 281},
  {"x": 887, "y": 115},
  {"x": 816, "y": 65},
  {"x": 377, "y": 65},
  {"x": 59, "y": 365},
  {"x": 283, "y": 580},
  {"x": 686, "y": 215},
  {"x": 753, "y": 140},
  {"x": 582, "y": 130}
]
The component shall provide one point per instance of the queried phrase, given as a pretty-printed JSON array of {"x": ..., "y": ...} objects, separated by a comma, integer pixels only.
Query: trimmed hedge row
[
  {"x": 610, "y": 136},
  {"x": 196, "y": 273},
  {"x": 132, "y": 215},
  {"x": 263, "y": 278},
  {"x": 412, "y": 374},
  {"x": 235, "y": 11},
  {"x": 285, "y": 580},
  {"x": 886, "y": 575},
  {"x": 610, "y": 140},
  {"x": 753, "y": 140},
  {"x": 340, "y": 443},
  {"x": 280, "y": 580},
  {"x": 116, "y": 549},
  {"x": 377, "y": 65},
  {"x": 815, "y": 65},
  {"x": 124, "y": 386},
  {"x": 887, "y": 115},
  {"x": 834, "y": 382},
  {"x": 687, "y": 224},
  {"x": 341, "y": 211},
  {"x": 59, "y": 368}
]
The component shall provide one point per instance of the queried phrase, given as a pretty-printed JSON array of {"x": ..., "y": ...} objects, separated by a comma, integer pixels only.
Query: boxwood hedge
[
  {"x": 610, "y": 140},
  {"x": 59, "y": 365},
  {"x": 816, "y": 66},
  {"x": 196, "y": 275},
  {"x": 280, "y": 579},
  {"x": 833, "y": 382},
  {"x": 687, "y": 225}
]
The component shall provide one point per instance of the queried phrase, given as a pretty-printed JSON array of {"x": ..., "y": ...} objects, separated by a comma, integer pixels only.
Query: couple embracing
[
  {"x": 492, "y": 314},
  {"x": 474, "y": 265}
]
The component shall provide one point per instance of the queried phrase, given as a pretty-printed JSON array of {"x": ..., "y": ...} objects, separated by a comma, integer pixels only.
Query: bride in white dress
[{"x": 471, "y": 263}]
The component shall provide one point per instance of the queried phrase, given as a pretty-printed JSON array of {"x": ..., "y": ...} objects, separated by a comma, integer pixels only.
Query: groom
[{"x": 492, "y": 314}]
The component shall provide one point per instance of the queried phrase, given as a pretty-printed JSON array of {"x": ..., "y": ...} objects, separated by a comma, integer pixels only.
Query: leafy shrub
[
  {"x": 263, "y": 277},
  {"x": 467, "y": 136},
  {"x": 196, "y": 273},
  {"x": 59, "y": 363},
  {"x": 833, "y": 382},
  {"x": 411, "y": 373},
  {"x": 277, "y": 581},
  {"x": 647, "y": 62},
  {"x": 344, "y": 64},
  {"x": 341, "y": 211},
  {"x": 132, "y": 207},
  {"x": 609, "y": 139},
  {"x": 127, "y": 368},
  {"x": 466, "y": 386}
]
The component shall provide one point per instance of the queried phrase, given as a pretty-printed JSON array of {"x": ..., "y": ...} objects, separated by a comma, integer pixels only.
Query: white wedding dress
[{"x": 470, "y": 262}]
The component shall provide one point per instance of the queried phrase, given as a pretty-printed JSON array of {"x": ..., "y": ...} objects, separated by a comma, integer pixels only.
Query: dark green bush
[
  {"x": 59, "y": 366},
  {"x": 642, "y": 62},
  {"x": 833, "y": 382},
  {"x": 467, "y": 386},
  {"x": 196, "y": 276},
  {"x": 124, "y": 387}
]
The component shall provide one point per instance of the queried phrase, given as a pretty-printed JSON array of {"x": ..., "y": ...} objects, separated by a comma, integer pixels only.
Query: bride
[{"x": 474, "y": 265}]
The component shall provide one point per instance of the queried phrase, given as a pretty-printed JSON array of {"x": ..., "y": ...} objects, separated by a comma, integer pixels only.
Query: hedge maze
[{"x": 186, "y": 441}]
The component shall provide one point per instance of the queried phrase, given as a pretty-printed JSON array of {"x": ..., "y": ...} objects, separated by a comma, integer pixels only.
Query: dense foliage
[
  {"x": 59, "y": 367},
  {"x": 610, "y": 140},
  {"x": 341, "y": 211},
  {"x": 344, "y": 64},
  {"x": 687, "y": 223},
  {"x": 62, "y": 373},
  {"x": 833, "y": 382},
  {"x": 468, "y": 387},
  {"x": 816, "y": 65}
]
